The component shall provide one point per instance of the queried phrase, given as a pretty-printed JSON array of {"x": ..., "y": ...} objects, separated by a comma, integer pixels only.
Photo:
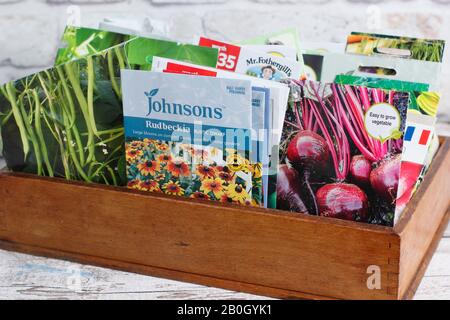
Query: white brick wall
[{"x": 30, "y": 29}]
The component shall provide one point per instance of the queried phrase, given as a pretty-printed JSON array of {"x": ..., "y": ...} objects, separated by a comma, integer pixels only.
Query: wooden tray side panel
[
  {"x": 423, "y": 218},
  {"x": 318, "y": 256}
]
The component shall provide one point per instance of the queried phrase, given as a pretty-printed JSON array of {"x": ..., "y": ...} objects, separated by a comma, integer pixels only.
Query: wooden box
[{"x": 259, "y": 251}]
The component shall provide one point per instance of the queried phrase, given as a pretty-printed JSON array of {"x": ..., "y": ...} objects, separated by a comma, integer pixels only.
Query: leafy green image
[
  {"x": 67, "y": 121},
  {"x": 82, "y": 42}
]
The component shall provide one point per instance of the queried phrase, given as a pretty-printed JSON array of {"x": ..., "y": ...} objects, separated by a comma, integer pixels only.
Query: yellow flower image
[
  {"x": 133, "y": 184},
  {"x": 148, "y": 142},
  {"x": 237, "y": 192},
  {"x": 135, "y": 144},
  {"x": 164, "y": 158},
  {"x": 206, "y": 171},
  {"x": 178, "y": 168},
  {"x": 225, "y": 176},
  {"x": 173, "y": 188},
  {"x": 236, "y": 162},
  {"x": 133, "y": 154},
  {"x": 149, "y": 185},
  {"x": 161, "y": 146},
  {"x": 213, "y": 185},
  {"x": 257, "y": 170},
  {"x": 200, "y": 195},
  {"x": 149, "y": 167}
]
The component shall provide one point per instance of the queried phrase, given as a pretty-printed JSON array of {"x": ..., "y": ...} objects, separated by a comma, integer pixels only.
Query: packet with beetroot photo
[{"x": 342, "y": 152}]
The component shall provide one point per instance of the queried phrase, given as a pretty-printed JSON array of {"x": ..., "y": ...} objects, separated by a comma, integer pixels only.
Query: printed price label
[
  {"x": 228, "y": 53},
  {"x": 183, "y": 69}
]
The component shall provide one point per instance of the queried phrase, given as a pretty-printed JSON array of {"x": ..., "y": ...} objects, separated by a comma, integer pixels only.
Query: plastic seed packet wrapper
[
  {"x": 342, "y": 149},
  {"x": 67, "y": 121},
  {"x": 189, "y": 136},
  {"x": 371, "y": 44}
]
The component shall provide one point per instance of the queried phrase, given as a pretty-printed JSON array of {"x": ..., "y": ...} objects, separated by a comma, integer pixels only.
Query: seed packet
[
  {"x": 381, "y": 83},
  {"x": 261, "y": 118},
  {"x": 341, "y": 152},
  {"x": 67, "y": 121},
  {"x": 78, "y": 42},
  {"x": 381, "y": 67},
  {"x": 418, "y": 137},
  {"x": 274, "y": 50},
  {"x": 188, "y": 135},
  {"x": 288, "y": 37},
  {"x": 253, "y": 63},
  {"x": 371, "y": 44}
]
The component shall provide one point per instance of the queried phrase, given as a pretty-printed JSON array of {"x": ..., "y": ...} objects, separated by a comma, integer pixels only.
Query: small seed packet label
[{"x": 251, "y": 62}]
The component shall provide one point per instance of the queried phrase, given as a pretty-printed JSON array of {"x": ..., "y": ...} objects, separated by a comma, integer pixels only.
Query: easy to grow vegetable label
[{"x": 382, "y": 122}]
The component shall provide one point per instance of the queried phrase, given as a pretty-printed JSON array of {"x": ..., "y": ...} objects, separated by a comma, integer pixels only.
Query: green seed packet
[
  {"x": 388, "y": 45},
  {"x": 67, "y": 121},
  {"x": 421, "y": 100}
]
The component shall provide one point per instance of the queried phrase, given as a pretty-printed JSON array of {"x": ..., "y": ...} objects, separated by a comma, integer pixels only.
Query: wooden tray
[{"x": 265, "y": 252}]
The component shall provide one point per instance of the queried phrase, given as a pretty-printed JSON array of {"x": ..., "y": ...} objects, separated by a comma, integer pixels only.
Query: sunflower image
[
  {"x": 133, "y": 154},
  {"x": 213, "y": 185},
  {"x": 173, "y": 188},
  {"x": 149, "y": 185},
  {"x": 237, "y": 192},
  {"x": 149, "y": 168},
  {"x": 206, "y": 171},
  {"x": 133, "y": 184},
  {"x": 178, "y": 168},
  {"x": 164, "y": 158},
  {"x": 200, "y": 195}
]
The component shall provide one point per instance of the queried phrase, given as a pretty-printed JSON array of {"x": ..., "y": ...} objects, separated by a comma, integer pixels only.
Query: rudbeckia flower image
[
  {"x": 133, "y": 154},
  {"x": 164, "y": 158},
  {"x": 133, "y": 184},
  {"x": 200, "y": 195},
  {"x": 159, "y": 177},
  {"x": 237, "y": 192},
  {"x": 173, "y": 188},
  {"x": 135, "y": 144},
  {"x": 149, "y": 167},
  {"x": 225, "y": 176},
  {"x": 226, "y": 199},
  {"x": 236, "y": 162},
  {"x": 257, "y": 170},
  {"x": 149, "y": 185},
  {"x": 206, "y": 171},
  {"x": 213, "y": 185},
  {"x": 178, "y": 168},
  {"x": 161, "y": 146}
]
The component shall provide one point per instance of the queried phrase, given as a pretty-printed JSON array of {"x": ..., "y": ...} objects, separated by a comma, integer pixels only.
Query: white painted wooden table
[{"x": 29, "y": 277}]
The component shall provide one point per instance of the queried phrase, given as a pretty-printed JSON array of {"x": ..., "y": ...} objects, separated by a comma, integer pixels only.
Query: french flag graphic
[
  {"x": 418, "y": 135},
  {"x": 416, "y": 142}
]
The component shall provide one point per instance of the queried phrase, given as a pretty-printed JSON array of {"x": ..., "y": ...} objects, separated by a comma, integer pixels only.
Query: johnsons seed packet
[{"x": 189, "y": 136}]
